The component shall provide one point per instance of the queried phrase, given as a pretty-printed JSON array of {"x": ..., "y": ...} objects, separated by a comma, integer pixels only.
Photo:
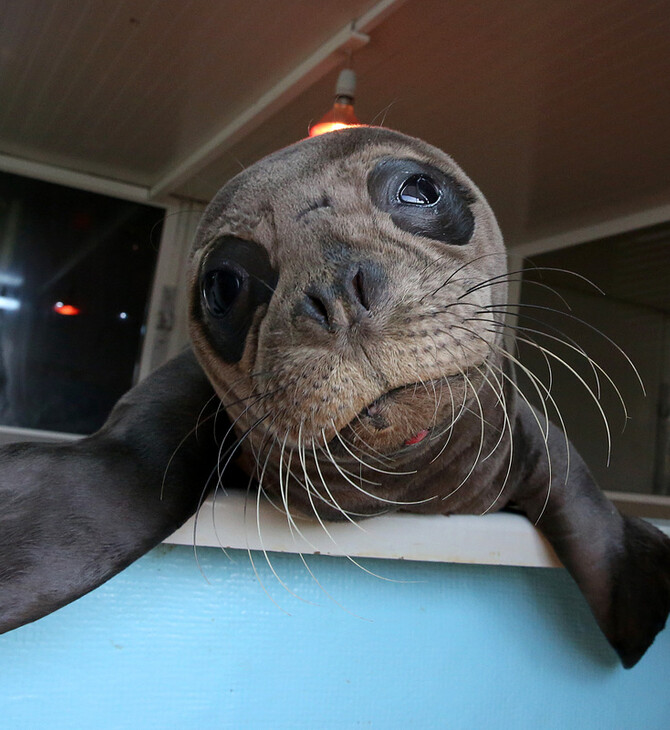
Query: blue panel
[{"x": 161, "y": 646}]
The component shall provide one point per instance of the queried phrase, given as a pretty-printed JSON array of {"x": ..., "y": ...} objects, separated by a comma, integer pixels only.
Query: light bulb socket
[{"x": 346, "y": 84}]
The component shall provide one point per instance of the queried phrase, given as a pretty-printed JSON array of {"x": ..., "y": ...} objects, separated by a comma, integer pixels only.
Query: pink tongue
[{"x": 415, "y": 439}]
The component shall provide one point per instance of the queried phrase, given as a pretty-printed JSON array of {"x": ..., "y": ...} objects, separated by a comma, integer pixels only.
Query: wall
[{"x": 164, "y": 645}]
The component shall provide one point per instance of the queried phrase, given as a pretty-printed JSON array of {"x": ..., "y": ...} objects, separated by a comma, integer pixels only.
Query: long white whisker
[
  {"x": 360, "y": 489},
  {"x": 368, "y": 466}
]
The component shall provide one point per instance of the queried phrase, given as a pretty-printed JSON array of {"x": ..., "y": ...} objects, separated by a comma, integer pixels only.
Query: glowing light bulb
[{"x": 342, "y": 114}]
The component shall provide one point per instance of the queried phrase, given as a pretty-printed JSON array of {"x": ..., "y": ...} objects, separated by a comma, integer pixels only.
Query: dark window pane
[{"x": 75, "y": 275}]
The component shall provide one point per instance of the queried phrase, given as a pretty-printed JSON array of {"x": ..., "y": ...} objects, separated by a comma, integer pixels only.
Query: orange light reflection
[{"x": 67, "y": 310}]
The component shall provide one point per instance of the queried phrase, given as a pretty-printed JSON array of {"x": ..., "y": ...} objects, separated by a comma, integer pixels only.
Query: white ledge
[{"x": 495, "y": 539}]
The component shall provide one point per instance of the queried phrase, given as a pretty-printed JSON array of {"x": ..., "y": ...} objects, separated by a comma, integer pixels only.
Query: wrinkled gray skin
[{"x": 352, "y": 329}]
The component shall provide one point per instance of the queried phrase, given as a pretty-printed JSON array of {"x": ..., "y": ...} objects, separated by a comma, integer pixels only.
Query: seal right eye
[{"x": 220, "y": 289}]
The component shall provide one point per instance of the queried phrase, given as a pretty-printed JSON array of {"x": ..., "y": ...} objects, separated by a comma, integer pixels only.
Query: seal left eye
[
  {"x": 220, "y": 289},
  {"x": 418, "y": 190}
]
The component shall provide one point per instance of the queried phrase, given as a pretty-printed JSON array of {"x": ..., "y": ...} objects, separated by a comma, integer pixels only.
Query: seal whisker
[
  {"x": 382, "y": 113},
  {"x": 504, "y": 311},
  {"x": 342, "y": 469},
  {"x": 506, "y": 424},
  {"x": 545, "y": 440},
  {"x": 261, "y": 488},
  {"x": 571, "y": 344},
  {"x": 481, "y": 440},
  {"x": 216, "y": 470},
  {"x": 182, "y": 442},
  {"x": 509, "y": 274},
  {"x": 309, "y": 485},
  {"x": 498, "y": 391},
  {"x": 438, "y": 401},
  {"x": 317, "y": 494},
  {"x": 201, "y": 499},
  {"x": 367, "y": 449},
  {"x": 539, "y": 385},
  {"x": 593, "y": 363},
  {"x": 321, "y": 522},
  {"x": 293, "y": 525},
  {"x": 202, "y": 411},
  {"x": 342, "y": 511},
  {"x": 594, "y": 398},
  {"x": 505, "y": 353},
  {"x": 432, "y": 382},
  {"x": 511, "y": 280},
  {"x": 460, "y": 268},
  {"x": 253, "y": 562},
  {"x": 545, "y": 432},
  {"x": 347, "y": 556},
  {"x": 503, "y": 327},
  {"x": 263, "y": 549},
  {"x": 454, "y": 419},
  {"x": 360, "y": 489},
  {"x": 283, "y": 491},
  {"x": 363, "y": 463},
  {"x": 238, "y": 443}
]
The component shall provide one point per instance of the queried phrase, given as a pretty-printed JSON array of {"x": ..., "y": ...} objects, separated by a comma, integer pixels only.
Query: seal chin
[{"x": 402, "y": 417}]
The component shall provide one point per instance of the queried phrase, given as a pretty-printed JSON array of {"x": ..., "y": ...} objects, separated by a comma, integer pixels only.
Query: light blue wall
[{"x": 462, "y": 647}]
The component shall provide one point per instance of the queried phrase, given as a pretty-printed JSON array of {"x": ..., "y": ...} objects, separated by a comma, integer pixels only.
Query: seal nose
[{"x": 340, "y": 304}]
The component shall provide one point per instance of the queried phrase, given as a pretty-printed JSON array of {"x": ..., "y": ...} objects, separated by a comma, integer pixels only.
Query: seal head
[{"x": 336, "y": 290}]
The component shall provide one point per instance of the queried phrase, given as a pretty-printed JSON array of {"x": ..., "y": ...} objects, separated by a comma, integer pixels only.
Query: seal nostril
[
  {"x": 359, "y": 290},
  {"x": 316, "y": 309}
]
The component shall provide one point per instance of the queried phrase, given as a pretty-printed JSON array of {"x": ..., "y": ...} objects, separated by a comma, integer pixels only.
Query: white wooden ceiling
[{"x": 559, "y": 109}]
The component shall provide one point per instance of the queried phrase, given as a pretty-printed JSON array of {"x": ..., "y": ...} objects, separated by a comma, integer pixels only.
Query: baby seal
[{"x": 347, "y": 306}]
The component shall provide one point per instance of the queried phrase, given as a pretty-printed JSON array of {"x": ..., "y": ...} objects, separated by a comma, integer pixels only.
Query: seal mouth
[
  {"x": 378, "y": 415},
  {"x": 410, "y": 415}
]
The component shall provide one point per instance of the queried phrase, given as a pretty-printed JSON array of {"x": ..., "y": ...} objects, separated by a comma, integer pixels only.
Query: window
[
  {"x": 633, "y": 269},
  {"x": 76, "y": 270}
]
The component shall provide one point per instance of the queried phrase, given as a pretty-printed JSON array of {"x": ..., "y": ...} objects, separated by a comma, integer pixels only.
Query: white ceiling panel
[{"x": 127, "y": 89}]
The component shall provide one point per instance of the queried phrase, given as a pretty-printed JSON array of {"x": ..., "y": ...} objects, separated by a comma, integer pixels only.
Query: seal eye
[
  {"x": 235, "y": 280},
  {"x": 220, "y": 289},
  {"x": 422, "y": 199},
  {"x": 418, "y": 190}
]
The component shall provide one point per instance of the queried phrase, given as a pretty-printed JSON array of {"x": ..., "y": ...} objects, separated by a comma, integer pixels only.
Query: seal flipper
[
  {"x": 73, "y": 515},
  {"x": 621, "y": 564}
]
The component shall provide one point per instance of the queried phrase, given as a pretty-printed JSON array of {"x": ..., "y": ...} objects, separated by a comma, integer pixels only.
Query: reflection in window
[{"x": 75, "y": 275}]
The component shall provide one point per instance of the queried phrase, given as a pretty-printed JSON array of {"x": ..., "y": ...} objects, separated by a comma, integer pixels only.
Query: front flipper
[
  {"x": 621, "y": 564},
  {"x": 73, "y": 515}
]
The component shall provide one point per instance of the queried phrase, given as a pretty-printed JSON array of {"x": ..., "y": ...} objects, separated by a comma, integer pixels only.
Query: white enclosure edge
[{"x": 494, "y": 539}]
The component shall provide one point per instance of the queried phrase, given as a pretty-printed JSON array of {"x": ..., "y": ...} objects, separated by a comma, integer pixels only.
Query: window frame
[{"x": 178, "y": 228}]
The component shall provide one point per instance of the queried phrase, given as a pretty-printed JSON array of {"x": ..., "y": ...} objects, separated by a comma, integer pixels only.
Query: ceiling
[{"x": 559, "y": 110}]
